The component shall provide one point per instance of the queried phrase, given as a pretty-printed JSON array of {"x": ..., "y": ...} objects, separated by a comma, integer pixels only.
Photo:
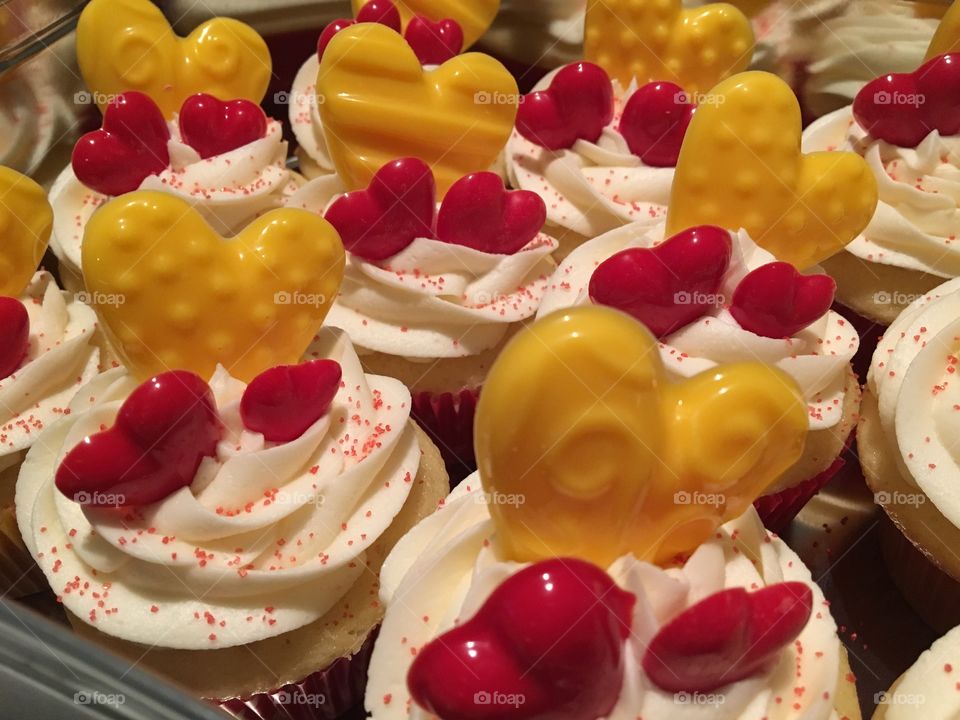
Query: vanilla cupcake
[{"x": 928, "y": 687}]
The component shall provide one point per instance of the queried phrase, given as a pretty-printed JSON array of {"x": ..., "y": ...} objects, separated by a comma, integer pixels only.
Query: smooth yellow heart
[
  {"x": 129, "y": 45},
  {"x": 587, "y": 449},
  {"x": 377, "y": 104},
  {"x": 946, "y": 38},
  {"x": 657, "y": 40},
  {"x": 176, "y": 295},
  {"x": 26, "y": 220},
  {"x": 474, "y": 16},
  {"x": 740, "y": 166}
]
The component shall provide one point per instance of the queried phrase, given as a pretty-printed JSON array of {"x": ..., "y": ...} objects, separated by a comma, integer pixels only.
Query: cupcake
[
  {"x": 431, "y": 292},
  {"x": 238, "y": 501},
  {"x": 568, "y": 588},
  {"x": 905, "y": 450},
  {"x": 928, "y": 687},
  {"x": 712, "y": 296},
  {"x": 51, "y": 348}
]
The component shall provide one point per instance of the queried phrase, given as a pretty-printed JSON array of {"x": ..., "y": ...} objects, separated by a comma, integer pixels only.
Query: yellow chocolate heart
[
  {"x": 658, "y": 40},
  {"x": 377, "y": 104},
  {"x": 26, "y": 220},
  {"x": 946, "y": 38},
  {"x": 474, "y": 16},
  {"x": 740, "y": 166},
  {"x": 129, "y": 45},
  {"x": 179, "y": 296},
  {"x": 603, "y": 455}
]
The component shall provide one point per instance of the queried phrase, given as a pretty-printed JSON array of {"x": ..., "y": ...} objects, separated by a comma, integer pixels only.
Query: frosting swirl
[
  {"x": 266, "y": 539},
  {"x": 917, "y": 217},
  {"x": 305, "y": 115},
  {"x": 443, "y": 570},
  {"x": 439, "y": 300},
  {"x": 817, "y": 357},
  {"x": 62, "y": 356},
  {"x": 928, "y": 685}
]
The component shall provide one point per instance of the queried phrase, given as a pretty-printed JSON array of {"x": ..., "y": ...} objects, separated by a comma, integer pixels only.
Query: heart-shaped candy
[
  {"x": 946, "y": 38},
  {"x": 903, "y": 108},
  {"x": 391, "y": 213},
  {"x": 191, "y": 299},
  {"x": 478, "y": 212},
  {"x": 326, "y": 35},
  {"x": 434, "y": 42},
  {"x": 378, "y": 11},
  {"x": 163, "y": 431},
  {"x": 26, "y": 220},
  {"x": 654, "y": 121},
  {"x": 657, "y": 40},
  {"x": 15, "y": 331},
  {"x": 212, "y": 127},
  {"x": 668, "y": 286},
  {"x": 129, "y": 147},
  {"x": 550, "y": 636},
  {"x": 603, "y": 460},
  {"x": 741, "y": 167},
  {"x": 577, "y": 105},
  {"x": 778, "y": 302},
  {"x": 379, "y": 104},
  {"x": 128, "y": 45},
  {"x": 727, "y": 637},
  {"x": 473, "y": 16},
  {"x": 283, "y": 402}
]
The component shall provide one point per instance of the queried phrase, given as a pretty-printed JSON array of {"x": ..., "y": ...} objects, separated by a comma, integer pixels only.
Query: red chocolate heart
[
  {"x": 776, "y": 301},
  {"x": 654, "y": 121},
  {"x": 162, "y": 432},
  {"x": 903, "y": 108},
  {"x": 329, "y": 31},
  {"x": 726, "y": 637},
  {"x": 213, "y": 127},
  {"x": 130, "y": 146},
  {"x": 547, "y": 644},
  {"x": 378, "y": 11},
  {"x": 395, "y": 209},
  {"x": 15, "y": 331},
  {"x": 478, "y": 212},
  {"x": 284, "y": 401},
  {"x": 434, "y": 42},
  {"x": 668, "y": 286},
  {"x": 577, "y": 105}
]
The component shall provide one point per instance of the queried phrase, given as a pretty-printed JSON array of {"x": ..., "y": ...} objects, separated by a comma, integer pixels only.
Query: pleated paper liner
[{"x": 448, "y": 419}]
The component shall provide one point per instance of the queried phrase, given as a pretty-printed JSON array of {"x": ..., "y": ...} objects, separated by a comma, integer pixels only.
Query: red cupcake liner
[
  {"x": 327, "y": 694},
  {"x": 448, "y": 419}
]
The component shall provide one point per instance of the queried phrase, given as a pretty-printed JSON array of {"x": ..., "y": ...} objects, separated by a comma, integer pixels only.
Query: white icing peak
[
  {"x": 917, "y": 219},
  {"x": 266, "y": 539},
  {"x": 442, "y": 571},
  {"x": 817, "y": 357}
]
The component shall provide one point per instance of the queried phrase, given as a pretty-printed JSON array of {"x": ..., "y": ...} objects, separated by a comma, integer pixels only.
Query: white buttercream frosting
[{"x": 929, "y": 688}]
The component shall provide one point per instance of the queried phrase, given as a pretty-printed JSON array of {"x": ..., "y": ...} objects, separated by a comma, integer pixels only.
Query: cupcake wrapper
[
  {"x": 19, "y": 574},
  {"x": 324, "y": 695},
  {"x": 448, "y": 419}
]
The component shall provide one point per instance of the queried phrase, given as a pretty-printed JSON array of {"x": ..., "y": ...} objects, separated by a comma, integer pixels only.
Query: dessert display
[{"x": 570, "y": 578}]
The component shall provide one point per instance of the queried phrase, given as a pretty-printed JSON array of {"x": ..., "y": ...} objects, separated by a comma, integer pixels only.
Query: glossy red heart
[
  {"x": 776, "y": 301},
  {"x": 214, "y": 127},
  {"x": 478, "y": 212},
  {"x": 15, "y": 331},
  {"x": 903, "y": 108},
  {"x": 668, "y": 286},
  {"x": 378, "y": 11},
  {"x": 577, "y": 105},
  {"x": 654, "y": 121},
  {"x": 283, "y": 402},
  {"x": 726, "y": 637},
  {"x": 129, "y": 147},
  {"x": 434, "y": 42},
  {"x": 547, "y": 644},
  {"x": 396, "y": 208},
  {"x": 162, "y": 432}
]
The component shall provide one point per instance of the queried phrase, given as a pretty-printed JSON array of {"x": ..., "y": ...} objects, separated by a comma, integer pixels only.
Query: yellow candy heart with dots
[
  {"x": 378, "y": 104},
  {"x": 740, "y": 166},
  {"x": 474, "y": 16},
  {"x": 604, "y": 455},
  {"x": 946, "y": 38},
  {"x": 658, "y": 40},
  {"x": 26, "y": 220},
  {"x": 187, "y": 298},
  {"x": 129, "y": 45}
]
